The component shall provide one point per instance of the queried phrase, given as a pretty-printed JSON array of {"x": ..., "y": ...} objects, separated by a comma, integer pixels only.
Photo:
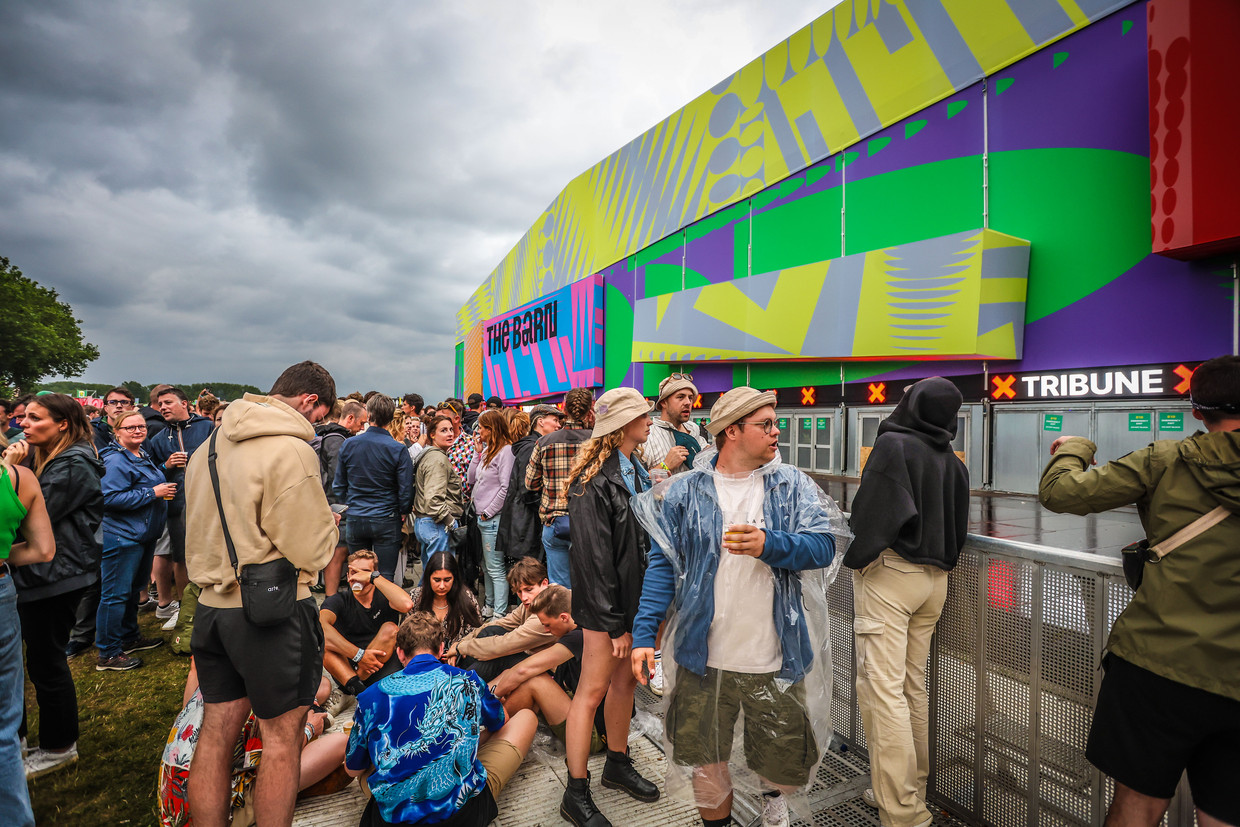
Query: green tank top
[{"x": 12, "y": 512}]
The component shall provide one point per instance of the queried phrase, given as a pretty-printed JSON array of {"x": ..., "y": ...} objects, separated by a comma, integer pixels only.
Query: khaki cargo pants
[{"x": 896, "y": 605}]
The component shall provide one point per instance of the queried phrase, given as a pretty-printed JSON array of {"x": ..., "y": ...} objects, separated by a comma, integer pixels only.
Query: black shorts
[
  {"x": 1148, "y": 730},
  {"x": 176, "y": 537},
  {"x": 277, "y": 667}
]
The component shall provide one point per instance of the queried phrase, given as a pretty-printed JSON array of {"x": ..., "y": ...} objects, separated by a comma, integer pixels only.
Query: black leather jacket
[
  {"x": 73, "y": 490},
  {"x": 520, "y": 530},
  {"x": 607, "y": 556}
]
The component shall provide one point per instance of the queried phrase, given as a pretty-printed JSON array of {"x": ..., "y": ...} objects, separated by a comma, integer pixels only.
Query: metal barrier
[{"x": 1013, "y": 674}]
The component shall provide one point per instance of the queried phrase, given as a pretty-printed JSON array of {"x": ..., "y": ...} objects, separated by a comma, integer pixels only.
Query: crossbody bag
[
  {"x": 268, "y": 590},
  {"x": 1137, "y": 554}
]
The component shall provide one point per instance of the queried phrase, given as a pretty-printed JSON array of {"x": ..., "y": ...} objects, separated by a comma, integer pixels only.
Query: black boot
[
  {"x": 619, "y": 774},
  {"x": 578, "y": 807}
]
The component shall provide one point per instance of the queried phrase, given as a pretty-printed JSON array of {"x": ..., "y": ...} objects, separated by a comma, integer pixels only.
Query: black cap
[
  {"x": 474, "y": 399},
  {"x": 495, "y": 402}
]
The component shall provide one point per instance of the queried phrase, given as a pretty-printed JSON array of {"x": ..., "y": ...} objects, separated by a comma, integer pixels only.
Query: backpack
[{"x": 324, "y": 459}]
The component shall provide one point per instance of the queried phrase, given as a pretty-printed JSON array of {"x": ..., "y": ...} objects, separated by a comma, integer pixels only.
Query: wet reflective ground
[{"x": 1021, "y": 517}]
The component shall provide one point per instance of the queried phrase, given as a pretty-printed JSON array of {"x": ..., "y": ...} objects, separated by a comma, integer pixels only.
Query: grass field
[{"x": 124, "y": 719}]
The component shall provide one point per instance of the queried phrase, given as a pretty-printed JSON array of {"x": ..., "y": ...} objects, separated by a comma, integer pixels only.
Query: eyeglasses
[
  {"x": 765, "y": 424},
  {"x": 132, "y": 428},
  {"x": 688, "y": 377},
  {"x": 116, "y": 402}
]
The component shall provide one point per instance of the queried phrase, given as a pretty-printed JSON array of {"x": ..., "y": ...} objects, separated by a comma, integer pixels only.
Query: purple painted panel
[
  {"x": 951, "y": 128},
  {"x": 712, "y": 254},
  {"x": 1089, "y": 99}
]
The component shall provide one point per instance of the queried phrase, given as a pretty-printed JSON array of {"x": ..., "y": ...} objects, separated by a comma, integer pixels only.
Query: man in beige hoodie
[{"x": 272, "y": 497}]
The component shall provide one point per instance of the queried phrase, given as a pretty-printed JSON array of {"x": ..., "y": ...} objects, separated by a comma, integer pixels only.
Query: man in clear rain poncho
[{"x": 746, "y": 613}]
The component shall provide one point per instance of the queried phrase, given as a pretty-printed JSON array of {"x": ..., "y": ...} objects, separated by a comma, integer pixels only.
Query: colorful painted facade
[{"x": 898, "y": 190}]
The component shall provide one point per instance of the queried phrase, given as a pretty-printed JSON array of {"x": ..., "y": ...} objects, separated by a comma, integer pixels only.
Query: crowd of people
[{"x": 559, "y": 556}]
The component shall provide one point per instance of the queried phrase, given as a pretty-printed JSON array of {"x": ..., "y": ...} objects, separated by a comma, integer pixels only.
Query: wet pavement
[{"x": 1020, "y": 517}]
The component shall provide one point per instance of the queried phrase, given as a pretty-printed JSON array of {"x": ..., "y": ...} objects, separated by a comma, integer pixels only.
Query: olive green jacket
[
  {"x": 437, "y": 488},
  {"x": 1184, "y": 622}
]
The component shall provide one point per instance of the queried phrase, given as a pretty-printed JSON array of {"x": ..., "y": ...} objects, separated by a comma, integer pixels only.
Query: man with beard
[{"x": 674, "y": 438}]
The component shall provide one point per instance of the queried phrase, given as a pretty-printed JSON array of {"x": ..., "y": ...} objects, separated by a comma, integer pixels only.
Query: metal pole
[
  {"x": 1235, "y": 308},
  {"x": 985, "y": 157}
]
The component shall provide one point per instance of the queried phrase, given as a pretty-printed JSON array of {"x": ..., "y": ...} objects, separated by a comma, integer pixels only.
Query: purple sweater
[{"x": 490, "y": 482}]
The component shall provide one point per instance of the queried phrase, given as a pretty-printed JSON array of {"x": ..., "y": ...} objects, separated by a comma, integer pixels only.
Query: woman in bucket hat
[{"x": 606, "y": 560}]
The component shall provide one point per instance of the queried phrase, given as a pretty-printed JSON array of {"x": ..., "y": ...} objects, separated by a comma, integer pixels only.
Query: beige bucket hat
[
  {"x": 734, "y": 405},
  {"x": 617, "y": 408}
]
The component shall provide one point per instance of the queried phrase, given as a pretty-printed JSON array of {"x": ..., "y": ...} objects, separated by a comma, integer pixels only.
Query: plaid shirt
[
  {"x": 549, "y": 466},
  {"x": 460, "y": 454}
]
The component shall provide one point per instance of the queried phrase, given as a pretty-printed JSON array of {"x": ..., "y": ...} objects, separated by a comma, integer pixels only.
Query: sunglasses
[{"x": 688, "y": 377}]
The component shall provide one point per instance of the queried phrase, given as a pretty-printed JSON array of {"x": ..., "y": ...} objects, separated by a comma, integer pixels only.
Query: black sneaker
[
  {"x": 120, "y": 663},
  {"x": 75, "y": 648},
  {"x": 142, "y": 643}
]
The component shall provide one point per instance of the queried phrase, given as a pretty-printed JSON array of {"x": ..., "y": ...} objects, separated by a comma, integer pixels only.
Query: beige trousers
[{"x": 896, "y": 605}]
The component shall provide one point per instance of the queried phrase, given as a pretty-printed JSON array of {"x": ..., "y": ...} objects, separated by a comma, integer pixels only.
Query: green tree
[{"x": 40, "y": 335}]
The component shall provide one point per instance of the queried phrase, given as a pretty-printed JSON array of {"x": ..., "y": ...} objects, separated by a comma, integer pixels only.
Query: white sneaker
[
  {"x": 868, "y": 797},
  {"x": 486, "y": 613},
  {"x": 774, "y": 811},
  {"x": 165, "y": 612},
  {"x": 656, "y": 677},
  {"x": 172, "y": 621},
  {"x": 40, "y": 761}
]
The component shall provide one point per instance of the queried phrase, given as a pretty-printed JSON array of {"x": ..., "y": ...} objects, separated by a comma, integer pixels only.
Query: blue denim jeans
[
  {"x": 432, "y": 536},
  {"x": 496, "y": 570},
  {"x": 124, "y": 570},
  {"x": 380, "y": 535},
  {"x": 557, "y": 558},
  {"x": 14, "y": 797}
]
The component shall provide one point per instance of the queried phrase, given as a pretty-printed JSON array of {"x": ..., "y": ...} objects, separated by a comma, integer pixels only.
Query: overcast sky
[{"x": 221, "y": 189}]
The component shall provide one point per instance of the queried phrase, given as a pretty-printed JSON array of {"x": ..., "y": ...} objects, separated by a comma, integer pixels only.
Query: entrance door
[
  {"x": 803, "y": 441},
  {"x": 784, "y": 423}
]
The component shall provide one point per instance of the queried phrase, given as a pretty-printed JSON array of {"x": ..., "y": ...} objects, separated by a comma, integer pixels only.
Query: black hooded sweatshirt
[{"x": 914, "y": 493}]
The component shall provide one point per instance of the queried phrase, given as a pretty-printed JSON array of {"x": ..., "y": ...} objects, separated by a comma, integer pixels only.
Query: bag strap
[
  {"x": 1197, "y": 526},
  {"x": 219, "y": 503}
]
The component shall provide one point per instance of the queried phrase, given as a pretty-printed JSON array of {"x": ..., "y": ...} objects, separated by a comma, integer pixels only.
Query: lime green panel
[
  {"x": 1087, "y": 210},
  {"x": 618, "y": 337},
  {"x": 671, "y": 278},
  {"x": 916, "y": 203},
  {"x": 799, "y": 232},
  {"x": 793, "y": 374},
  {"x": 652, "y": 375},
  {"x": 716, "y": 220},
  {"x": 459, "y": 384}
]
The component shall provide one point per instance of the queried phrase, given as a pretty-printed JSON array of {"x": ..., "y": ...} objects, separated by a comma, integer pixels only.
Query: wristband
[
  {"x": 358, "y": 657},
  {"x": 309, "y": 733}
]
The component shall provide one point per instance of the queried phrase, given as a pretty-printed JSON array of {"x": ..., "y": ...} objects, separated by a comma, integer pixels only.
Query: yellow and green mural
[
  {"x": 956, "y": 296},
  {"x": 863, "y": 66}
]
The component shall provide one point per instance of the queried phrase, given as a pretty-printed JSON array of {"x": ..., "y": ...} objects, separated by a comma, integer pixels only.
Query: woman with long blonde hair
[
  {"x": 607, "y": 558},
  {"x": 489, "y": 474},
  {"x": 60, "y": 448}
]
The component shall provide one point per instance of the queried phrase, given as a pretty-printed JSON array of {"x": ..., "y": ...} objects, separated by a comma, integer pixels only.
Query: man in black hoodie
[{"x": 911, "y": 516}]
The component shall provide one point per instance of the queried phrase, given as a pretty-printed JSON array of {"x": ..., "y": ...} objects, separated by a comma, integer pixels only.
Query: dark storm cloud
[{"x": 222, "y": 188}]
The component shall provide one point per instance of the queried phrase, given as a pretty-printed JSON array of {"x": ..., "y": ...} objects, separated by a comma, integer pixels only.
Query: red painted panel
[{"x": 1194, "y": 126}]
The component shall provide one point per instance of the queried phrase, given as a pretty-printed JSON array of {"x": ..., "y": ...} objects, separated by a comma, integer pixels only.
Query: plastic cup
[{"x": 733, "y": 520}]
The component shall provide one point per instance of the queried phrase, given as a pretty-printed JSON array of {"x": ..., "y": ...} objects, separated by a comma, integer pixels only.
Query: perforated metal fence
[{"x": 1013, "y": 674}]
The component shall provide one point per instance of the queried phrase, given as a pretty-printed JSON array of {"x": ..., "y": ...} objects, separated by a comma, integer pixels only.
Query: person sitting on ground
[
  {"x": 322, "y": 754},
  {"x": 545, "y": 681},
  {"x": 359, "y": 625},
  {"x": 507, "y": 640},
  {"x": 444, "y": 594},
  {"x": 422, "y": 732}
]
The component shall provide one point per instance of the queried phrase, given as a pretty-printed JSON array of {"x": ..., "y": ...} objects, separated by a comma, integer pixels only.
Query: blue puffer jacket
[
  {"x": 132, "y": 513},
  {"x": 686, "y": 529}
]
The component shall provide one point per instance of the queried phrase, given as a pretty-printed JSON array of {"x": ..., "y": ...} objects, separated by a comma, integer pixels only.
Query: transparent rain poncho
[{"x": 746, "y": 646}]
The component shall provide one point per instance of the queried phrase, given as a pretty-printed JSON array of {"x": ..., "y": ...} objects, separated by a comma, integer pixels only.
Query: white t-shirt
[{"x": 742, "y": 634}]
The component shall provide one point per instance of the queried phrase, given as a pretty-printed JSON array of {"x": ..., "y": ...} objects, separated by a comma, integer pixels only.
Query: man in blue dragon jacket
[{"x": 435, "y": 738}]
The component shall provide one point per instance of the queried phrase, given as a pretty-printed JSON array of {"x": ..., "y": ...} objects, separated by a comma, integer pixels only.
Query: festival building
[{"x": 1033, "y": 198}]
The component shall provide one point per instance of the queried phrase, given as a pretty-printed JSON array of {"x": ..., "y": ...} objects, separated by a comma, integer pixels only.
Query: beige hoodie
[{"x": 273, "y": 500}]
